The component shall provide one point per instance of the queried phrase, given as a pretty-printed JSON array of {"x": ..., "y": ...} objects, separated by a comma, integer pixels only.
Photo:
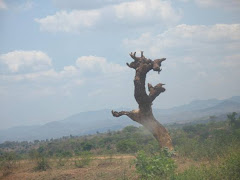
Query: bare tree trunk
[{"x": 144, "y": 114}]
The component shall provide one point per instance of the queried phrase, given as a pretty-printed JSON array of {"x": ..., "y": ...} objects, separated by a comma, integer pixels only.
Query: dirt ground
[
  {"x": 100, "y": 168},
  {"x": 107, "y": 168}
]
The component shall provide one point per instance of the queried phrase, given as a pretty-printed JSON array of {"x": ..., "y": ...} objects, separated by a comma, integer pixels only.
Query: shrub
[
  {"x": 42, "y": 164},
  {"x": 199, "y": 173},
  {"x": 127, "y": 146},
  {"x": 8, "y": 163},
  {"x": 84, "y": 161},
  {"x": 159, "y": 166},
  {"x": 61, "y": 161},
  {"x": 231, "y": 167},
  {"x": 228, "y": 169}
]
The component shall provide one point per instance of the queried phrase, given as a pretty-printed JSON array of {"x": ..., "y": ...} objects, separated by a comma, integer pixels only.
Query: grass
[
  {"x": 115, "y": 167},
  {"x": 112, "y": 167}
]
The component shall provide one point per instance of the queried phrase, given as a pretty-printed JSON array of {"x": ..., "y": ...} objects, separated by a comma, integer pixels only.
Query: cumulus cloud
[
  {"x": 25, "y": 5},
  {"x": 93, "y": 4},
  {"x": 3, "y": 5},
  {"x": 73, "y": 21},
  {"x": 17, "y": 6},
  {"x": 146, "y": 11},
  {"x": 75, "y": 86},
  {"x": 17, "y": 61},
  {"x": 134, "y": 13},
  {"x": 219, "y": 3},
  {"x": 37, "y": 66},
  {"x": 190, "y": 48},
  {"x": 98, "y": 64},
  {"x": 225, "y": 4},
  {"x": 189, "y": 38}
]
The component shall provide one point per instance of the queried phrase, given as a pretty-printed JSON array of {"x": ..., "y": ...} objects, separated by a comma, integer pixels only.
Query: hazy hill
[{"x": 102, "y": 120}]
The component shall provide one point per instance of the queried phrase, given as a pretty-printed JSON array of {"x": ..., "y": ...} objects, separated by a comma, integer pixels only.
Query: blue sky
[{"x": 61, "y": 57}]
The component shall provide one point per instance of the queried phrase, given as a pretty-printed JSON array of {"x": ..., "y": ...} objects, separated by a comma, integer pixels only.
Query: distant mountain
[
  {"x": 79, "y": 124},
  {"x": 102, "y": 120},
  {"x": 193, "y": 106},
  {"x": 235, "y": 99}
]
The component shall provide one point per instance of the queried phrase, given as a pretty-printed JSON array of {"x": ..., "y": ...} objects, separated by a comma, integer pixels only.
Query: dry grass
[
  {"x": 107, "y": 168},
  {"x": 104, "y": 167}
]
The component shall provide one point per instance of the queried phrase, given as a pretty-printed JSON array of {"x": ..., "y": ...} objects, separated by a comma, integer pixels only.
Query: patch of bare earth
[
  {"x": 107, "y": 168},
  {"x": 100, "y": 168}
]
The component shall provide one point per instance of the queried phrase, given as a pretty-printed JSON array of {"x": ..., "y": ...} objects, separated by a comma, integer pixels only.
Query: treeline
[
  {"x": 129, "y": 140},
  {"x": 194, "y": 141}
]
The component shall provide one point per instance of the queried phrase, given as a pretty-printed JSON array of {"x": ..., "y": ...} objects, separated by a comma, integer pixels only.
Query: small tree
[{"x": 233, "y": 120}]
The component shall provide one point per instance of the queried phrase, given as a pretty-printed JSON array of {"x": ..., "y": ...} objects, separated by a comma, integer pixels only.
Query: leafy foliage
[
  {"x": 84, "y": 160},
  {"x": 155, "y": 166},
  {"x": 8, "y": 162},
  {"x": 233, "y": 121},
  {"x": 42, "y": 164},
  {"x": 228, "y": 169}
]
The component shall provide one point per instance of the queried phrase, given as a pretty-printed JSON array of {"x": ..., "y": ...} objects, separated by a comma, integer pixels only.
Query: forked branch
[{"x": 155, "y": 91}]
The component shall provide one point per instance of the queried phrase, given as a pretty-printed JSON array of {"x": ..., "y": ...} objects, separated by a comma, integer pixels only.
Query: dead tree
[{"x": 144, "y": 114}]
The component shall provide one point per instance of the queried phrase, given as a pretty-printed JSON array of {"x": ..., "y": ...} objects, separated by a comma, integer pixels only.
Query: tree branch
[
  {"x": 155, "y": 91},
  {"x": 140, "y": 61},
  {"x": 134, "y": 115},
  {"x": 157, "y": 64}
]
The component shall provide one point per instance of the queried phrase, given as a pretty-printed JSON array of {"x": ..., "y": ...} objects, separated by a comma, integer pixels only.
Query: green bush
[
  {"x": 228, "y": 169},
  {"x": 199, "y": 173},
  {"x": 231, "y": 167},
  {"x": 42, "y": 164},
  {"x": 85, "y": 159},
  {"x": 8, "y": 163},
  {"x": 159, "y": 166},
  {"x": 61, "y": 161},
  {"x": 127, "y": 146}
]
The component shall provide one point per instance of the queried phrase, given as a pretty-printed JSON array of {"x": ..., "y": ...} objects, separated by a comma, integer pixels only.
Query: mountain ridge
[{"x": 102, "y": 120}]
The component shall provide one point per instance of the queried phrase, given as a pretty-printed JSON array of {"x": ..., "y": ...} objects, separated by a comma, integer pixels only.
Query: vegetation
[
  {"x": 84, "y": 160},
  {"x": 8, "y": 161},
  {"x": 42, "y": 164},
  {"x": 157, "y": 166},
  {"x": 227, "y": 169},
  {"x": 211, "y": 149}
]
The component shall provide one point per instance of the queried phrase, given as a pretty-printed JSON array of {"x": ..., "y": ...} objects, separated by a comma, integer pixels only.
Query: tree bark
[{"x": 144, "y": 114}]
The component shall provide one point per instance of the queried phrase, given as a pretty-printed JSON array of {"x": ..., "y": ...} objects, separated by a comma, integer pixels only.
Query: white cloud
[
  {"x": 87, "y": 68},
  {"x": 146, "y": 11},
  {"x": 93, "y": 4},
  {"x": 69, "y": 71},
  {"x": 197, "y": 38},
  {"x": 26, "y": 5},
  {"x": 225, "y": 4},
  {"x": 22, "y": 5},
  {"x": 219, "y": 3},
  {"x": 73, "y": 21},
  {"x": 36, "y": 65},
  {"x": 134, "y": 13},
  {"x": 205, "y": 33},
  {"x": 98, "y": 64},
  {"x": 18, "y": 60},
  {"x": 3, "y": 5}
]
